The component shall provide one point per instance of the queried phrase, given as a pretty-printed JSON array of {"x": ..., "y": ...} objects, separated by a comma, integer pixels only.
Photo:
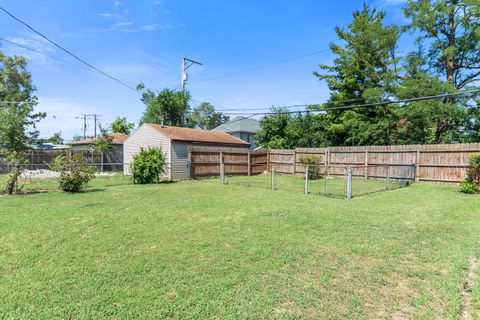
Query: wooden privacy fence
[
  {"x": 206, "y": 161},
  {"x": 443, "y": 163}
]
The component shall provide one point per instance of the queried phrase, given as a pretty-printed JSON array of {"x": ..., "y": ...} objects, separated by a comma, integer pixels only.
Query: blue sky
[{"x": 144, "y": 41}]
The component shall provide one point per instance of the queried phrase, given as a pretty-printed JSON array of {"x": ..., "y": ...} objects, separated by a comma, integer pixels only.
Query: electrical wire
[
  {"x": 445, "y": 95},
  {"x": 359, "y": 105},
  {"x": 37, "y": 51},
  {"x": 67, "y": 51},
  {"x": 261, "y": 66}
]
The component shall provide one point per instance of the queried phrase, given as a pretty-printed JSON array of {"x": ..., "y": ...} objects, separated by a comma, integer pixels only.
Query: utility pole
[
  {"x": 86, "y": 117},
  {"x": 187, "y": 63},
  {"x": 95, "y": 125}
]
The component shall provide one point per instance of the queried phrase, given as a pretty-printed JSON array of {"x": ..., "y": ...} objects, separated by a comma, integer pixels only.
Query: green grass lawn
[{"x": 199, "y": 249}]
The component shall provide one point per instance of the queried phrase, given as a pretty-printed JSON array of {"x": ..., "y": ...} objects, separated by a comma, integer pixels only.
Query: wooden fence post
[
  {"x": 417, "y": 166},
  {"x": 189, "y": 165},
  {"x": 366, "y": 164},
  {"x": 221, "y": 160},
  {"x": 268, "y": 160},
  {"x": 249, "y": 165},
  {"x": 294, "y": 161}
]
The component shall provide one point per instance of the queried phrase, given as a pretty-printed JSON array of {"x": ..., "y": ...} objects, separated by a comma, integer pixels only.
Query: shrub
[
  {"x": 15, "y": 160},
  {"x": 313, "y": 162},
  {"x": 471, "y": 184},
  {"x": 74, "y": 172},
  {"x": 148, "y": 165}
]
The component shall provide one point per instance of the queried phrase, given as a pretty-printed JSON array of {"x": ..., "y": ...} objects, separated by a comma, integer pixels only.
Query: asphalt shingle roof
[
  {"x": 239, "y": 124},
  {"x": 187, "y": 134},
  {"x": 117, "y": 138}
]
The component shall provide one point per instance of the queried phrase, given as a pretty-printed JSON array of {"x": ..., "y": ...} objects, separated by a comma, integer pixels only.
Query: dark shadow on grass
[{"x": 89, "y": 190}]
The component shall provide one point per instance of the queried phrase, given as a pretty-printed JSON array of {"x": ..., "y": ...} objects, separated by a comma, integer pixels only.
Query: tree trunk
[{"x": 450, "y": 59}]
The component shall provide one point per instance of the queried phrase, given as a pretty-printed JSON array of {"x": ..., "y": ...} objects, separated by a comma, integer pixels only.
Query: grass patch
[
  {"x": 199, "y": 249},
  {"x": 51, "y": 184}
]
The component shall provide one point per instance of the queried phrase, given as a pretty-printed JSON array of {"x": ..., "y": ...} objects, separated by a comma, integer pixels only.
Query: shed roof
[
  {"x": 118, "y": 138},
  {"x": 240, "y": 124},
  {"x": 197, "y": 135}
]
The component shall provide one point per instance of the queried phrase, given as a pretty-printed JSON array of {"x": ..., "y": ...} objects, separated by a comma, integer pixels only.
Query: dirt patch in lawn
[{"x": 466, "y": 309}]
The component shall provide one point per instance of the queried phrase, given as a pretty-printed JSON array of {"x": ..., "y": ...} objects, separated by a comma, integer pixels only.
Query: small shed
[
  {"x": 174, "y": 142},
  {"x": 112, "y": 159}
]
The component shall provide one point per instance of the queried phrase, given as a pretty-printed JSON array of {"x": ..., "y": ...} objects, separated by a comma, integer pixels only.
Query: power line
[
  {"x": 359, "y": 105},
  {"x": 445, "y": 95},
  {"x": 281, "y": 106},
  {"x": 67, "y": 51},
  {"x": 262, "y": 66},
  {"x": 37, "y": 51}
]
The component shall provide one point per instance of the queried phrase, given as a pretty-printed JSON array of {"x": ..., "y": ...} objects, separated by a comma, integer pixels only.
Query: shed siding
[
  {"x": 179, "y": 156},
  {"x": 145, "y": 137}
]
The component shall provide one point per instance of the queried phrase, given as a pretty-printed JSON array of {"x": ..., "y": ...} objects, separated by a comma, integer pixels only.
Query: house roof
[
  {"x": 240, "y": 124},
  {"x": 187, "y": 134},
  {"x": 118, "y": 138}
]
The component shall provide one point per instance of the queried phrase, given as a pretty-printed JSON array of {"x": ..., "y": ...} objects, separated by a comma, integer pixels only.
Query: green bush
[
  {"x": 148, "y": 165},
  {"x": 74, "y": 172},
  {"x": 471, "y": 184},
  {"x": 468, "y": 187},
  {"x": 314, "y": 165},
  {"x": 16, "y": 160}
]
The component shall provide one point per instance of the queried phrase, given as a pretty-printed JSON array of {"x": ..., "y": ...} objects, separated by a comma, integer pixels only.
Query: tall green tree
[
  {"x": 205, "y": 117},
  {"x": 281, "y": 130},
  {"x": 121, "y": 125},
  {"x": 17, "y": 101},
  {"x": 272, "y": 132},
  {"x": 365, "y": 70},
  {"x": 17, "y": 117},
  {"x": 427, "y": 121},
  {"x": 168, "y": 107},
  {"x": 451, "y": 29}
]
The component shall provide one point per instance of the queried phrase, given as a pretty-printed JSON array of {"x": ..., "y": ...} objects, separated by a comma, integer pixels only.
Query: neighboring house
[
  {"x": 242, "y": 128},
  {"x": 174, "y": 142},
  {"x": 113, "y": 158}
]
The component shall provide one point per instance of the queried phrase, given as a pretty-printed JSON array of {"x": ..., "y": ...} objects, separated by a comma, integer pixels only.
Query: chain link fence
[{"x": 343, "y": 182}]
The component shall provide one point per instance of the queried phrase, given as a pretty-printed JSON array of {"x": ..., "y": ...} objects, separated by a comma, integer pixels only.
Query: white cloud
[
  {"x": 394, "y": 2},
  {"x": 122, "y": 24},
  {"x": 116, "y": 3},
  {"x": 127, "y": 26},
  {"x": 34, "y": 48},
  {"x": 61, "y": 115},
  {"x": 388, "y": 3}
]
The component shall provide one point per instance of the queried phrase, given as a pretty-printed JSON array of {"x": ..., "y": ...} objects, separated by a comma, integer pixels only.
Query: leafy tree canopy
[
  {"x": 205, "y": 117},
  {"x": 17, "y": 117},
  {"x": 167, "y": 107},
  {"x": 121, "y": 125}
]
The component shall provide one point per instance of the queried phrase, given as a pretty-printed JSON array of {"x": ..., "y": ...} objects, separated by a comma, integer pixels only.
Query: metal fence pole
[
  {"x": 273, "y": 178},
  {"x": 189, "y": 174},
  {"x": 325, "y": 178},
  {"x": 349, "y": 183},
  {"x": 306, "y": 179},
  {"x": 222, "y": 172}
]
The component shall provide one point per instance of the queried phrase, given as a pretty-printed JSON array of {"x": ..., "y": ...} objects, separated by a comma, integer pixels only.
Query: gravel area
[{"x": 48, "y": 174}]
